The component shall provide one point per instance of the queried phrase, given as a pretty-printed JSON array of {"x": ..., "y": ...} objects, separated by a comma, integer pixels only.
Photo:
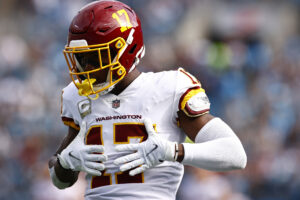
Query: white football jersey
[{"x": 118, "y": 119}]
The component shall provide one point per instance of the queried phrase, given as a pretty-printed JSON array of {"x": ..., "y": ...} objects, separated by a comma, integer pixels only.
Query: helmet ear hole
[{"x": 131, "y": 51}]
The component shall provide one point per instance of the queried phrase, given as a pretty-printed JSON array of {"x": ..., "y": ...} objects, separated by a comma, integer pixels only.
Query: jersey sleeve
[
  {"x": 190, "y": 97},
  {"x": 66, "y": 112}
]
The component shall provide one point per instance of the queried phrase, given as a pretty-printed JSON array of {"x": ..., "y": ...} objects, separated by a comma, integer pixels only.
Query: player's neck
[{"x": 128, "y": 79}]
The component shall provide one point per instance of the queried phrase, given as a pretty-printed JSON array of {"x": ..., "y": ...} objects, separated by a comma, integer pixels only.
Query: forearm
[
  {"x": 218, "y": 155},
  {"x": 61, "y": 178},
  {"x": 217, "y": 148}
]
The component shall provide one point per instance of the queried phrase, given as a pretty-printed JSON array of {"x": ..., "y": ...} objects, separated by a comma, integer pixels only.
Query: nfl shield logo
[{"x": 116, "y": 103}]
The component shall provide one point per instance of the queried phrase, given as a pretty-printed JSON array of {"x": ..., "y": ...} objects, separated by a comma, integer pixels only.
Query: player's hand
[
  {"x": 81, "y": 157},
  {"x": 147, "y": 154}
]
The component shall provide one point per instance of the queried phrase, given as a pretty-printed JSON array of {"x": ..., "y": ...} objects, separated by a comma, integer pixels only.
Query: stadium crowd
[{"x": 245, "y": 53}]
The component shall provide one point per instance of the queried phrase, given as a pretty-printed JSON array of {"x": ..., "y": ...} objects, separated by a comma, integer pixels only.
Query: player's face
[{"x": 90, "y": 61}]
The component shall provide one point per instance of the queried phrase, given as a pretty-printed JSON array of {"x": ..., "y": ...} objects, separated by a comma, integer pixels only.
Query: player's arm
[
  {"x": 74, "y": 156},
  {"x": 61, "y": 177},
  {"x": 216, "y": 146}
]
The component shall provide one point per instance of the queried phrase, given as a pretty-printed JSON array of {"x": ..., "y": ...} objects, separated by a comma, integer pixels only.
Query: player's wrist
[
  {"x": 62, "y": 160},
  {"x": 175, "y": 152},
  {"x": 63, "y": 174},
  {"x": 180, "y": 153},
  {"x": 170, "y": 151},
  {"x": 62, "y": 163}
]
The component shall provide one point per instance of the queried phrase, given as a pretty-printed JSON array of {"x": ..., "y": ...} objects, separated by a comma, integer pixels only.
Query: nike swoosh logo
[
  {"x": 155, "y": 147},
  {"x": 71, "y": 155}
]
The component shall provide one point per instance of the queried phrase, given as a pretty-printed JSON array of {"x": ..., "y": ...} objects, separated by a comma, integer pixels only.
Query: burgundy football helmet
[{"x": 106, "y": 35}]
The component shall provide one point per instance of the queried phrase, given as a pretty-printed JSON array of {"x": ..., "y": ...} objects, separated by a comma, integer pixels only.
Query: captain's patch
[{"x": 84, "y": 107}]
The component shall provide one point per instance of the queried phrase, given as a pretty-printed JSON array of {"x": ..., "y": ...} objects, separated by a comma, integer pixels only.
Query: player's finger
[
  {"x": 127, "y": 158},
  {"x": 96, "y": 157},
  {"x": 95, "y": 165},
  {"x": 149, "y": 126},
  {"x": 94, "y": 148},
  {"x": 132, "y": 164},
  {"x": 138, "y": 170},
  {"x": 127, "y": 147},
  {"x": 93, "y": 172}
]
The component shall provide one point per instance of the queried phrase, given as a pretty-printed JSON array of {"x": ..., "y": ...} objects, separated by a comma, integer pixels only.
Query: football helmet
[{"x": 104, "y": 37}]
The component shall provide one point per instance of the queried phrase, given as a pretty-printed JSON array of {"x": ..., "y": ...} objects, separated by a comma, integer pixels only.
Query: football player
[{"x": 126, "y": 128}]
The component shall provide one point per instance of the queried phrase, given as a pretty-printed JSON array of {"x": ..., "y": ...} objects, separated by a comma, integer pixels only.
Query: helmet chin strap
[
  {"x": 104, "y": 92},
  {"x": 101, "y": 85}
]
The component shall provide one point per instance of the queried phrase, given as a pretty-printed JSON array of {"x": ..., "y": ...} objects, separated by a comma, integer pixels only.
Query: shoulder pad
[{"x": 194, "y": 102}]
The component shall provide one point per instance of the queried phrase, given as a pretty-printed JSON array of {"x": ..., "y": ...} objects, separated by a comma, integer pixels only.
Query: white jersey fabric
[{"x": 117, "y": 119}]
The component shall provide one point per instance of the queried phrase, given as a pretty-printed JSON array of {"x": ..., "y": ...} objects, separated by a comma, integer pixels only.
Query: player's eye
[{"x": 86, "y": 59}]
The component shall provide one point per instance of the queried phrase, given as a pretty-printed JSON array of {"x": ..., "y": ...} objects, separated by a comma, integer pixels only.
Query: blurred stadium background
[{"x": 246, "y": 53}]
